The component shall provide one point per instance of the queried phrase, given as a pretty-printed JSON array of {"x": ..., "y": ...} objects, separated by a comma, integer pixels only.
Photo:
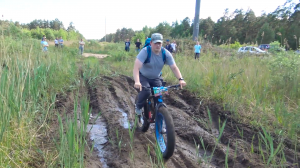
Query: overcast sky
[{"x": 88, "y": 16}]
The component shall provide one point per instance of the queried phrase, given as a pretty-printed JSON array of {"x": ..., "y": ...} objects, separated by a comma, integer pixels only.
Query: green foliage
[
  {"x": 140, "y": 36},
  {"x": 17, "y": 32},
  {"x": 62, "y": 33},
  {"x": 72, "y": 35},
  {"x": 275, "y": 47},
  {"x": 118, "y": 55},
  {"x": 265, "y": 35},
  {"x": 146, "y": 31},
  {"x": 236, "y": 45},
  {"x": 29, "y": 83},
  {"x": 49, "y": 34},
  {"x": 162, "y": 28},
  {"x": 285, "y": 73},
  {"x": 26, "y": 33},
  {"x": 13, "y": 31}
]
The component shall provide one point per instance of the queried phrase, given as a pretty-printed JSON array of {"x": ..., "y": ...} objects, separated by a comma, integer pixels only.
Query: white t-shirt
[
  {"x": 81, "y": 43},
  {"x": 173, "y": 46}
]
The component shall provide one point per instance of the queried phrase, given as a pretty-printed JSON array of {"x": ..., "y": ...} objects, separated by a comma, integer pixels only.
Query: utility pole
[
  {"x": 196, "y": 21},
  {"x": 105, "y": 29}
]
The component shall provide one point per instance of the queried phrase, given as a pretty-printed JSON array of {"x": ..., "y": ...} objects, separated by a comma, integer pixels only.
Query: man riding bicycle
[{"x": 147, "y": 68}]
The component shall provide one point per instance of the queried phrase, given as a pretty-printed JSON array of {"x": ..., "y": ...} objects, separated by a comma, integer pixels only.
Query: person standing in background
[
  {"x": 56, "y": 42},
  {"x": 61, "y": 42},
  {"x": 197, "y": 48},
  {"x": 81, "y": 46},
  {"x": 138, "y": 45},
  {"x": 174, "y": 46},
  {"x": 169, "y": 47},
  {"x": 45, "y": 45},
  {"x": 127, "y": 45}
]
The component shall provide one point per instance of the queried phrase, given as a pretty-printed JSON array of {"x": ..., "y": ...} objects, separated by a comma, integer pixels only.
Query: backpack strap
[
  {"x": 163, "y": 51},
  {"x": 148, "y": 55}
]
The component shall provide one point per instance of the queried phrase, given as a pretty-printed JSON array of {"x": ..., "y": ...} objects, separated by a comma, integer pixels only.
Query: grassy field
[{"x": 260, "y": 91}]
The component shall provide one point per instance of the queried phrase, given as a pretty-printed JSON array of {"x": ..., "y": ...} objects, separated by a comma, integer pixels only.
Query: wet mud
[{"x": 197, "y": 142}]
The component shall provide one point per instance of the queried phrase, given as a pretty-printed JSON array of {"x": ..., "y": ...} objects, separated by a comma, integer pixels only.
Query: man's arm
[
  {"x": 178, "y": 75},
  {"x": 176, "y": 71},
  {"x": 136, "y": 70}
]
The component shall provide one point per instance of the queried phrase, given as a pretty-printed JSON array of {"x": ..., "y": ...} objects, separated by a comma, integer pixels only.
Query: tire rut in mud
[{"x": 114, "y": 98}]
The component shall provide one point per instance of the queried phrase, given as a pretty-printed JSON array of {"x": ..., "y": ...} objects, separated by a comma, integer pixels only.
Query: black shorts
[
  {"x": 56, "y": 45},
  {"x": 197, "y": 55}
]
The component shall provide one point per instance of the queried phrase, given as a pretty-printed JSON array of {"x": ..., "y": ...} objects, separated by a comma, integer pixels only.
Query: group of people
[
  {"x": 45, "y": 44},
  {"x": 171, "y": 47},
  {"x": 59, "y": 43}
]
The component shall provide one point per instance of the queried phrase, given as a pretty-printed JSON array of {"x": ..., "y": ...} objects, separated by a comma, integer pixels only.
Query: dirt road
[{"x": 94, "y": 55}]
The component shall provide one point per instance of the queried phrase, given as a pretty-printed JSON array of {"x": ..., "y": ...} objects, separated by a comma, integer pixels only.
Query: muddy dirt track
[{"x": 114, "y": 98}]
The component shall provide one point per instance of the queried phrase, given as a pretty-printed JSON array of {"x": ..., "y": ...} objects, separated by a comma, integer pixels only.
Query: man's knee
[
  {"x": 144, "y": 94},
  {"x": 142, "y": 97}
]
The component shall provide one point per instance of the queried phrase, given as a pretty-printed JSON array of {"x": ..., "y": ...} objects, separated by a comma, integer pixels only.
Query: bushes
[
  {"x": 49, "y": 34},
  {"x": 285, "y": 73},
  {"x": 140, "y": 36},
  {"x": 275, "y": 47},
  {"x": 236, "y": 45},
  {"x": 16, "y": 32}
]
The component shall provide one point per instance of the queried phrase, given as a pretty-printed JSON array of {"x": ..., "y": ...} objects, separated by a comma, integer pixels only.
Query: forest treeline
[{"x": 282, "y": 25}]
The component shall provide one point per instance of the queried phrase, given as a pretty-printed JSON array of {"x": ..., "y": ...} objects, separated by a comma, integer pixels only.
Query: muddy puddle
[
  {"x": 124, "y": 122},
  {"x": 98, "y": 135}
]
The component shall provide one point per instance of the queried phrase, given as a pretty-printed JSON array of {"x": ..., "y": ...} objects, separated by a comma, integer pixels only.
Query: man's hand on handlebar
[
  {"x": 138, "y": 85},
  {"x": 182, "y": 83}
]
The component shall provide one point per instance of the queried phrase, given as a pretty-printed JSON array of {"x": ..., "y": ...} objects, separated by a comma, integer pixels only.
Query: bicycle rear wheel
[{"x": 164, "y": 132}]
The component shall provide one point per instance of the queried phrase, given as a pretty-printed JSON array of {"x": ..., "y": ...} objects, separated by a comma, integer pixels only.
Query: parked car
[
  {"x": 251, "y": 50},
  {"x": 264, "y": 46}
]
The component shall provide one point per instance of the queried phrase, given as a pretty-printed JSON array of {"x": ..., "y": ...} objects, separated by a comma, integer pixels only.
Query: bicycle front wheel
[{"x": 164, "y": 132}]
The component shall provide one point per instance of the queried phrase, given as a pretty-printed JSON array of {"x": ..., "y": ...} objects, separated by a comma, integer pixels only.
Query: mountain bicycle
[{"x": 155, "y": 111}]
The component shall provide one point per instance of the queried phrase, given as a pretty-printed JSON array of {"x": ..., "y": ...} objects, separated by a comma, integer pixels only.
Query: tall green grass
[
  {"x": 72, "y": 135},
  {"x": 29, "y": 82}
]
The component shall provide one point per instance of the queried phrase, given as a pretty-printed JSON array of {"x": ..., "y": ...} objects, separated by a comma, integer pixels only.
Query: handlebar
[
  {"x": 159, "y": 90},
  {"x": 172, "y": 86}
]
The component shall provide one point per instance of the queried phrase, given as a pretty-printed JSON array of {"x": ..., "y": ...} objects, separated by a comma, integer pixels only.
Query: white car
[{"x": 251, "y": 50}]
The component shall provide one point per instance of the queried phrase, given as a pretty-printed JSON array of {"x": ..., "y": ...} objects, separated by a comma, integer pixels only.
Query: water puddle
[
  {"x": 132, "y": 100},
  {"x": 98, "y": 134},
  {"x": 124, "y": 120}
]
